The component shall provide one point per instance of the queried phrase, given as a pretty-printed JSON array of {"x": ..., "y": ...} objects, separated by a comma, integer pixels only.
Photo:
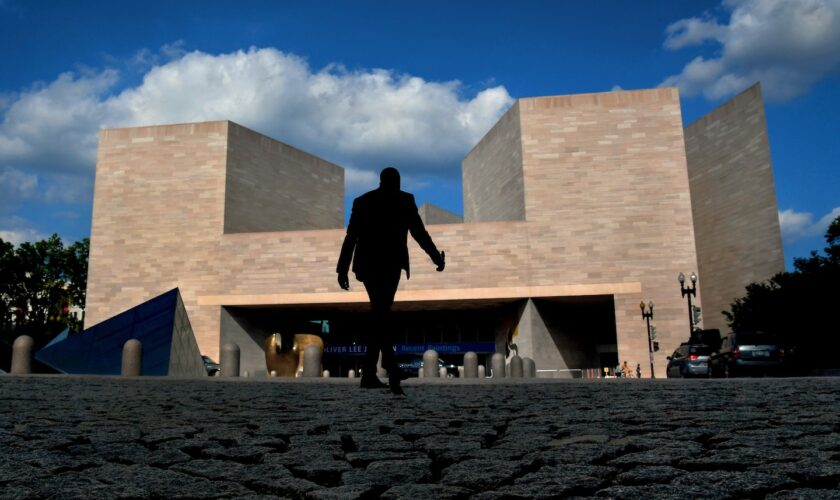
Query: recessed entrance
[{"x": 563, "y": 334}]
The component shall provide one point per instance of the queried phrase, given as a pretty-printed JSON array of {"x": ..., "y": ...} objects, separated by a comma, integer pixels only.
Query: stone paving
[{"x": 99, "y": 437}]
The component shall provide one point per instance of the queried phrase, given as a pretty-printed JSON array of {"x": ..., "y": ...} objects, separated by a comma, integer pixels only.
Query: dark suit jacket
[{"x": 378, "y": 231}]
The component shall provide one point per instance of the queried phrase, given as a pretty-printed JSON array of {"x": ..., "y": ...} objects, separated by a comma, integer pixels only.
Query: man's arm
[
  {"x": 419, "y": 233},
  {"x": 346, "y": 255}
]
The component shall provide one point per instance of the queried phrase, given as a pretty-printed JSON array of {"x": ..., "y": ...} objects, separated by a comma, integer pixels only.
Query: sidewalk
[{"x": 101, "y": 437}]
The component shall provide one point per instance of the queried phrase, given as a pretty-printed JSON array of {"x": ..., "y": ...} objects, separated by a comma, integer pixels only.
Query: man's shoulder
[
  {"x": 365, "y": 198},
  {"x": 376, "y": 193},
  {"x": 406, "y": 197}
]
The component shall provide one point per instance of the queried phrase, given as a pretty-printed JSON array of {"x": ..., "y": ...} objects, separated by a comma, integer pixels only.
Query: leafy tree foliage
[
  {"x": 40, "y": 283},
  {"x": 799, "y": 306}
]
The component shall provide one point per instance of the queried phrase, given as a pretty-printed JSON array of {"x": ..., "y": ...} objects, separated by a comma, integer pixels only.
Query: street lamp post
[
  {"x": 689, "y": 291},
  {"x": 647, "y": 316}
]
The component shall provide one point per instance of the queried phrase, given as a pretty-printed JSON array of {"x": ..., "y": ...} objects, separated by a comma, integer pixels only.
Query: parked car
[
  {"x": 411, "y": 367},
  {"x": 689, "y": 360},
  {"x": 748, "y": 354},
  {"x": 709, "y": 337},
  {"x": 211, "y": 366}
]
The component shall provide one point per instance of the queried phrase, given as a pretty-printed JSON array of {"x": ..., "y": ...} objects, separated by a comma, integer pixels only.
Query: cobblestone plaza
[{"x": 110, "y": 437}]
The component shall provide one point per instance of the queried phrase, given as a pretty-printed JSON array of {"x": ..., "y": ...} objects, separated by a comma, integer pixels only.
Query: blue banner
[{"x": 419, "y": 349}]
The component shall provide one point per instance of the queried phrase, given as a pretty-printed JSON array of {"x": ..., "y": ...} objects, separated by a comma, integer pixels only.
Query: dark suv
[
  {"x": 748, "y": 353},
  {"x": 689, "y": 360}
]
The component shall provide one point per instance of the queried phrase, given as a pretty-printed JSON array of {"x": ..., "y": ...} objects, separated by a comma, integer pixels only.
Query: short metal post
[
  {"x": 529, "y": 367},
  {"x": 22, "y": 355},
  {"x": 497, "y": 362},
  {"x": 380, "y": 371},
  {"x": 516, "y": 370},
  {"x": 430, "y": 364},
  {"x": 132, "y": 358},
  {"x": 230, "y": 360},
  {"x": 312, "y": 361},
  {"x": 470, "y": 365}
]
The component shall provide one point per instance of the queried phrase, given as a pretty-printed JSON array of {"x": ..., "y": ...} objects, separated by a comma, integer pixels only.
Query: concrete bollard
[
  {"x": 482, "y": 372},
  {"x": 430, "y": 364},
  {"x": 312, "y": 361},
  {"x": 351, "y": 374},
  {"x": 132, "y": 358},
  {"x": 419, "y": 373},
  {"x": 516, "y": 370},
  {"x": 529, "y": 368},
  {"x": 22, "y": 355},
  {"x": 470, "y": 365},
  {"x": 246, "y": 374},
  {"x": 497, "y": 362},
  {"x": 273, "y": 373},
  {"x": 380, "y": 371},
  {"x": 229, "y": 360},
  {"x": 326, "y": 374},
  {"x": 442, "y": 373}
]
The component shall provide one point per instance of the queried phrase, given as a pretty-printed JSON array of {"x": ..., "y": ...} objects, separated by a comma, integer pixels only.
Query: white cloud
[
  {"x": 692, "y": 31},
  {"x": 787, "y": 45},
  {"x": 16, "y": 230},
  {"x": 53, "y": 127},
  {"x": 358, "y": 181},
  {"x": 352, "y": 118},
  {"x": 364, "y": 119},
  {"x": 16, "y": 185},
  {"x": 798, "y": 225}
]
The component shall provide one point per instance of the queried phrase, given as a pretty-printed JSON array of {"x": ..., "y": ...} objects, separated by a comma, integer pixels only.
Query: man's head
[{"x": 389, "y": 179}]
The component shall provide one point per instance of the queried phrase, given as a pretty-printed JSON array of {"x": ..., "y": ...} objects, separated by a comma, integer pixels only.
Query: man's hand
[
  {"x": 343, "y": 281},
  {"x": 441, "y": 263}
]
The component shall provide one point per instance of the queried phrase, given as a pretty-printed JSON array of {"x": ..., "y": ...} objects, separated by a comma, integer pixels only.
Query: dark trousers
[{"x": 381, "y": 288}]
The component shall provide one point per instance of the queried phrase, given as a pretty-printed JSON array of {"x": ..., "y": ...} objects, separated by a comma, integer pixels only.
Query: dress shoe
[
  {"x": 372, "y": 383},
  {"x": 394, "y": 385}
]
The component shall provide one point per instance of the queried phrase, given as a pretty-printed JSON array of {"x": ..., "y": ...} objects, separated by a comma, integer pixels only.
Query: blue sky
[{"x": 367, "y": 84}]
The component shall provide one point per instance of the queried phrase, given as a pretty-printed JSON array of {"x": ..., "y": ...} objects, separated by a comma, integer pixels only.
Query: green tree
[
  {"x": 7, "y": 273},
  {"x": 798, "y": 306},
  {"x": 39, "y": 284}
]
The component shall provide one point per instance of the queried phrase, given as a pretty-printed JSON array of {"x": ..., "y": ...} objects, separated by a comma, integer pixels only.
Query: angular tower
[{"x": 733, "y": 202}]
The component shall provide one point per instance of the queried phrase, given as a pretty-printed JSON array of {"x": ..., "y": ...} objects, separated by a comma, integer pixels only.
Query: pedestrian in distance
[
  {"x": 376, "y": 244},
  {"x": 638, "y": 370}
]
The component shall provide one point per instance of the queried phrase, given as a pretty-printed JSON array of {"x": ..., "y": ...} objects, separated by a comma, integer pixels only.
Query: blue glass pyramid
[{"x": 160, "y": 324}]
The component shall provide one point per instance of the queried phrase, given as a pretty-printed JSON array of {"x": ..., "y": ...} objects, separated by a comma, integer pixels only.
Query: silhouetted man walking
[{"x": 378, "y": 230}]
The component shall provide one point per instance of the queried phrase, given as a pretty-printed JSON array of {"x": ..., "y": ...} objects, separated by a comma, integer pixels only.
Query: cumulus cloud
[
  {"x": 16, "y": 230},
  {"x": 356, "y": 118},
  {"x": 52, "y": 127},
  {"x": 787, "y": 45},
  {"x": 16, "y": 186},
  {"x": 362, "y": 119},
  {"x": 798, "y": 225}
]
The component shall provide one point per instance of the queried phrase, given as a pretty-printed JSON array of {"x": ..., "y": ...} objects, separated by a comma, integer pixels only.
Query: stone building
[{"x": 576, "y": 208}]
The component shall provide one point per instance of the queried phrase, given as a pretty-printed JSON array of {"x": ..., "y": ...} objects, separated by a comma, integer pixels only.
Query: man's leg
[{"x": 381, "y": 289}]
